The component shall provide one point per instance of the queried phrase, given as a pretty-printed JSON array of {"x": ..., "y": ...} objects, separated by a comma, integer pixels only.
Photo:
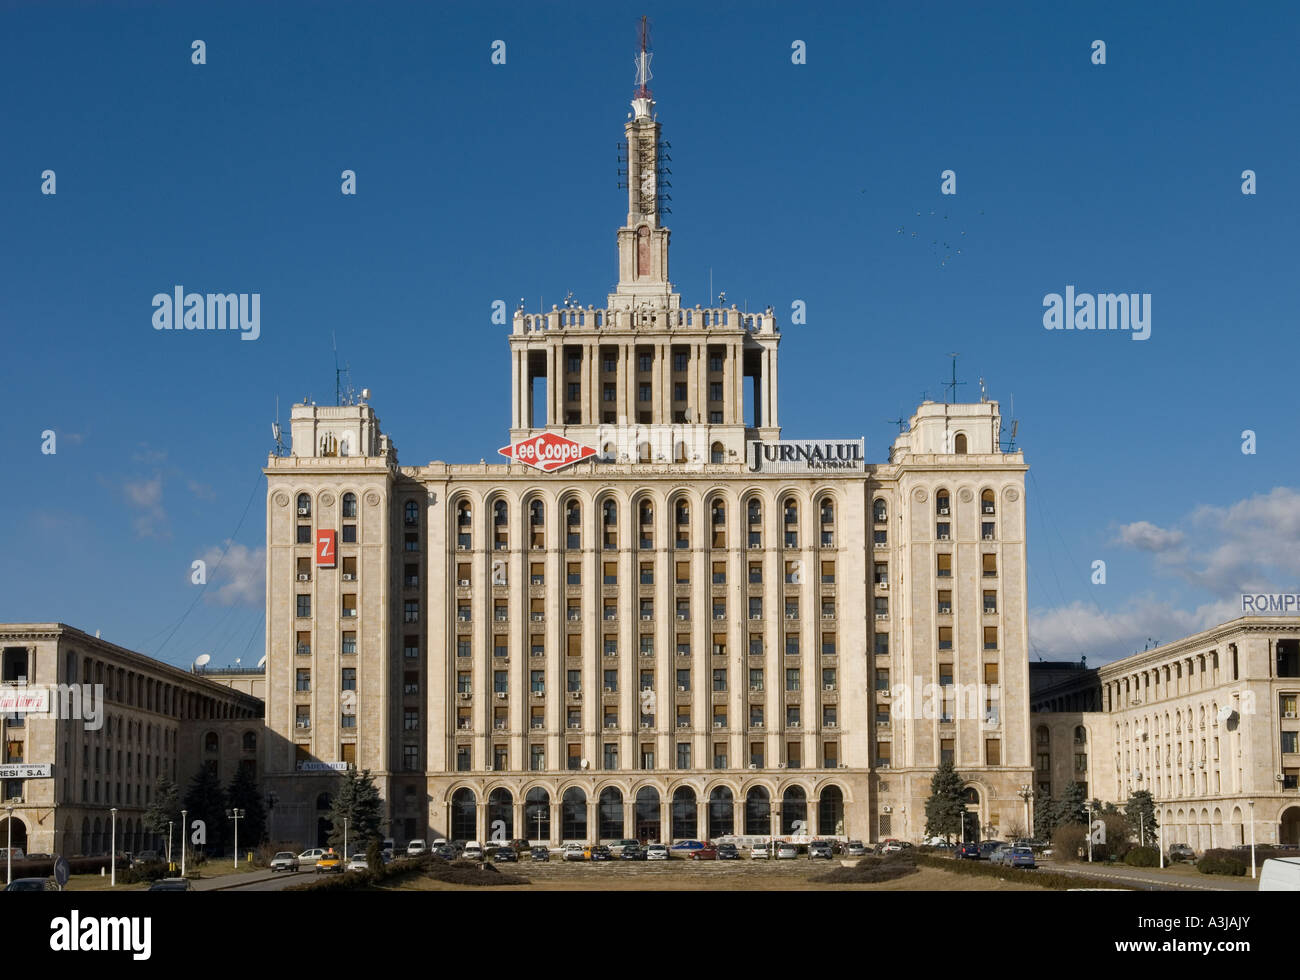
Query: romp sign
[{"x": 547, "y": 452}]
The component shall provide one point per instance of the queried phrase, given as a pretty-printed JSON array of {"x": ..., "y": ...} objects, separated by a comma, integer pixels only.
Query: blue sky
[{"x": 479, "y": 182}]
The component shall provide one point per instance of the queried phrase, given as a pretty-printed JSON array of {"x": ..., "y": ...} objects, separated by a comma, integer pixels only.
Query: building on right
[{"x": 1207, "y": 724}]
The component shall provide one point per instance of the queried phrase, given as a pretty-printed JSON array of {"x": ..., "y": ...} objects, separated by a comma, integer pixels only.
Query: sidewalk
[{"x": 231, "y": 879}]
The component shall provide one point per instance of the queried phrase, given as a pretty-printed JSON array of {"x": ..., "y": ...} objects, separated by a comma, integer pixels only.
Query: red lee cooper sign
[
  {"x": 547, "y": 452},
  {"x": 326, "y": 550}
]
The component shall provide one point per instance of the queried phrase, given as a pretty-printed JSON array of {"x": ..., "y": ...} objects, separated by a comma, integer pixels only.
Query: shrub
[
  {"x": 871, "y": 870},
  {"x": 1221, "y": 862},
  {"x": 149, "y": 871},
  {"x": 1142, "y": 857}
]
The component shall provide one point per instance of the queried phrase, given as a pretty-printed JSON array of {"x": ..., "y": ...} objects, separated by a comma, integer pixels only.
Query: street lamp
[
  {"x": 1088, "y": 830},
  {"x": 1027, "y": 794},
  {"x": 9, "y": 850},
  {"x": 112, "y": 850},
  {"x": 169, "y": 845},
  {"x": 271, "y": 801},
  {"x": 1252, "y": 838},
  {"x": 185, "y": 834},
  {"x": 345, "y": 838},
  {"x": 234, "y": 815}
]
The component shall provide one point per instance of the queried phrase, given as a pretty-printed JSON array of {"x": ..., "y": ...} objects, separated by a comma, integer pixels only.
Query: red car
[{"x": 709, "y": 852}]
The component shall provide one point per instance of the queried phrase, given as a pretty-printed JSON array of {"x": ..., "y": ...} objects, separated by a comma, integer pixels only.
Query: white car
[
  {"x": 358, "y": 863},
  {"x": 656, "y": 852},
  {"x": 473, "y": 851},
  {"x": 573, "y": 851},
  {"x": 786, "y": 851},
  {"x": 311, "y": 857},
  {"x": 416, "y": 848},
  {"x": 284, "y": 861},
  {"x": 759, "y": 852}
]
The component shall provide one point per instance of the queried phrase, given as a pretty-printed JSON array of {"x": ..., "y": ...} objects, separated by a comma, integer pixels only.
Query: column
[
  {"x": 519, "y": 830},
  {"x": 593, "y": 402},
  {"x": 775, "y": 419},
  {"x": 629, "y": 821},
  {"x": 702, "y": 384},
  {"x": 525, "y": 392},
  {"x": 620, "y": 386},
  {"x": 515, "y": 401},
  {"x": 550, "y": 381},
  {"x": 630, "y": 365},
  {"x": 554, "y": 824},
  {"x": 738, "y": 388},
  {"x": 728, "y": 373},
  {"x": 693, "y": 383},
  {"x": 657, "y": 385},
  {"x": 480, "y": 820}
]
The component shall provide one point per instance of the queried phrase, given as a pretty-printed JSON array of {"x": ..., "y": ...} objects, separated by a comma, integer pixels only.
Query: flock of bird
[{"x": 951, "y": 249}]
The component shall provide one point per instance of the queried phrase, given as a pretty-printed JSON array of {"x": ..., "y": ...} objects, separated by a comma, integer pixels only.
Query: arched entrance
[
  {"x": 794, "y": 811},
  {"x": 573, "y": 815},
  {"x": 611, "y": 814},
  {"x": 686, "y": 824},
  {"x": 15, "y": 826},
  {"x": 464, "y": 815},
  {"x": 647, "y": 816},
  {"x": 722, "y": 813},
  {"x": 970, "y": 824},
  {"x": 537, "y": 815},
  {"x": 830, "y": 811},
  {"x": 758, "y": 812},
  {"x": 501, "y": 815},
  {"x": 1289, "y": 829}
]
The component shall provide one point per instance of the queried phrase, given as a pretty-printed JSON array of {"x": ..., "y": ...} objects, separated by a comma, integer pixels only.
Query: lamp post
[
  {"x": 185, "y": 835},
  {"x": 169, "y": 844},
  {"x": 9, "y": 850},
  {"x": 1088, "y": 830},
  {"x": 1252, "y": 838},
  {"x": 234, "y": 815},
  {"x": 345, "y": 838},
  {"x": 1027, "y": 794},
  {"x": 271, "y": 801},
  {"x": 112, "y": 849}
]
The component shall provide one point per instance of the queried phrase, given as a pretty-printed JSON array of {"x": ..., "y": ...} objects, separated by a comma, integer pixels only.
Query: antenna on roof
[
  {"x": 1009, "y": 442},
  {"x": 275, "y": 429},
  {"x": 343, "y": 393},
  {"x": 954, "y": 383},
  {"x": 900, "y": 422}
]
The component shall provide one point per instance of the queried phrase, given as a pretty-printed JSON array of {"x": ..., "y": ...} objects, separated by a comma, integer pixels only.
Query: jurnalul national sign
[
  {"x": 547, "y": 452},
  {"x": 807, "y": 455}
]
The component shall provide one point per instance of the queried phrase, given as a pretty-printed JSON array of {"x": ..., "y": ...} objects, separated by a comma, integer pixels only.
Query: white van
[
  {"x": 473, "y": 851},
  {"x": 416, "y": 847},
  {"x": 1280, "y": 875}
]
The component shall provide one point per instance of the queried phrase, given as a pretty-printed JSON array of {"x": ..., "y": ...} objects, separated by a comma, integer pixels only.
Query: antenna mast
[
  {"x": 343, "y": 393},
  {"x": 643, "y": 57},
  {"x": 954, "y": 383}
]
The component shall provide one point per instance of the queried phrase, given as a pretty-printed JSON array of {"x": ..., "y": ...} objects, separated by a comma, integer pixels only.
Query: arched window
[
  {"x": 790, "y": 537},
  {"x": 643, "y": 452},
  {"x": 722, "y": 813},
  {"x": 959, "y": 444},
  {"x": 942, "y": 503},
  {"x": 500, "y": 525},
  {"x": 716, "y": 453},
  {"x": 607, "y": 453},
  {"x": 611, "y": 814},
  {"x": 210, "y": 742},
  {"x": 645, "y": 535},
  {"x": 349, "y": 505},
  {"x": 646, "y": 814},
  {"x": 464, "y": 525},
  {"x": 304, "y": 505},
  {"x": 679, "y": 452},
  {"x": 830, "y": 811},
  {"x": 1080, "y": 735},
  {"x": 464, "y": 815},
  {"x": 250, "y": 743},
  {"x": 758, "y": 812},
  {"x": 501, "y": 815},
  {"x": 682, "y": 518},
  {"x": 794, "y": 811},
  {"x": 685, "y": 821},
  {"x": 537, "y": 524},
  {"x": 828, "y": 511},
  {"x": 573, "y": 525},
  {"x": 879, "y": 511},
  {"x": 537, "y": 815},
  {"x": 986, "y": 502},
  {"x": 826, "y": 536},
  {"x": 718, "y": 522},
  {"x": 412, "y": 513},
  {"x": 573, "y": 815}
]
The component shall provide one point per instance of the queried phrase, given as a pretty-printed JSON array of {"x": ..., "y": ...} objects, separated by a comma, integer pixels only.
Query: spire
[{"x": 642, "y": 100}]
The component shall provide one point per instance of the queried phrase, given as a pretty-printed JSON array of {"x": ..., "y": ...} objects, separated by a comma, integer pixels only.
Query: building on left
[{"x": 89, "y": 726}]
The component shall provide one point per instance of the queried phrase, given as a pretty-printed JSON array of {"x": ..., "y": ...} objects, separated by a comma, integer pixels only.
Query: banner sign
[
  {"x": 326, "y": 549},
  {"x": 322, "y": 767},
  {"x": 20, "y": 700},
  {"x": 21, "y": 770},
  {"x": 807, "y": 455},
  {"x": 547, "y": 452}
]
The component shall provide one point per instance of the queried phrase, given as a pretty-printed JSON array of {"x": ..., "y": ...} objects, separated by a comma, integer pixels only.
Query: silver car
[{"x": 284, "y": 861}]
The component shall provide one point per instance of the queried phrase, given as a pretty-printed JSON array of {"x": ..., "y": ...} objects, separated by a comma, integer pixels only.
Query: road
[{"x": 1154, "y": 878}]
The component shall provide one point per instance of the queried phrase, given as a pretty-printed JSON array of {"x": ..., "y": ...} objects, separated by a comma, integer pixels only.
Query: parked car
[
  {"x": 728, "y": 852},
  {"x": 32, "y": 856},
  {"x": 760, "y": 852},
  {"x": 1280, "y": 875},
  {"x": 519, "y": 845},
  {"x": 358, "y": 862},
  {"x": 989, "y": 846},
  {"x": 891, "y": 845},
  {"x": 417, "y": 847},
  {"x": 15, "y": 852},
  {"x": 506, "y": 853},
  {"x": 685, "y": 847},
  {"x": 574, "y": 851},
  {"x": 331, "y": 862},
  {"x": 820, "y": 849},
  {"x": 616, "y": 848},
  {"x": 969, "y": 850},
  {"x": 945, "y": 847},
  {"x": 284, "y": 861},
  {"x": 785, "y": 851},
  {"x": 632, "y": 852},
  {"x": 998, "y": 853},
  {"x": 311, "y": 857},
  {"x": 1181, "y": 852},
  {"x": 855, "y": 848},
  {"x": 172, "y": 885},
  {"x": 656, "y": 852},
  {"x": 144, "y": 857},
  {"x": 446, "y": 852},
  {"x": 473, "y": 851},
  {"x": 599, "y": 852},
  {"x": 706, "y": 853},
  {"x": 934, "y": 841},
  {"x": 1019, "y": 857},
  {"x": 32, "y": 885},
  {"x": 540, "y": 853}
]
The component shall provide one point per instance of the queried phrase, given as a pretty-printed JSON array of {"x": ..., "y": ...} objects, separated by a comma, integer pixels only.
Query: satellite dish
[
  {"x": 238, "y": 661},
  {"x": 585, "y": 764},
  {"x": 365, "y": 393},
  {"x": 262, "y": 662},
  {"x": 1225, "y": 712},
  {"x": 201, "y": 660}
]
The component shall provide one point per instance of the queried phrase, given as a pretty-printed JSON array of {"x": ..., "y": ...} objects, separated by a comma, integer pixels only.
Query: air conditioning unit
[
  {"x": 304, "y": 577},
  {"x": 349, "y": 576},
  {"x": 882, "y": 615},
  {"x": 646, "y": 724},
  {"x": 791, "y": 615},
  {"x": 988, "y": 537},
  {"x": 462, "y": 547},
  {"x": 882, "y": 585},
  {"x": 717, "y": 724},
  {"x": 577, "y": 695},
  {"x": 886, "y": 809},
  {"x": 682, "y": 616},
  {"x": 681, "y": 688},
  {"x": 491, "y": 767},
  {"x": 757, "y": 724},
  {"x": 501, "y": 695},
  {"x": 719, "y": 616},
  {"x": 1288, "y": 714},
  {"x": 881, "y": 545},
  {"x": 753, "y": 765},
  {"x": 754, "y": 545},
  {"x": 1279, "y": 777},
  {"x": 463, "y": 583},
  {"x": 755, "y": 687},
  {"x": 828, "y": 615},
  {"x": 828, "y": 687},
  {"x": 780, "y": 765},
  {"x": 885, "y": 694},
  {"x": 943, "y": 537},
  {"x": 647, "y": 616},
  {"x": 463, "y": 695},
  {"x": 304, "y": 512},
  {"x": 943, "y": 511}
]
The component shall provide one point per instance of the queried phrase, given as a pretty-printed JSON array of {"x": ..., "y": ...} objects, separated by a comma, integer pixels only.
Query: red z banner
[{"x": 325, "y": 549}]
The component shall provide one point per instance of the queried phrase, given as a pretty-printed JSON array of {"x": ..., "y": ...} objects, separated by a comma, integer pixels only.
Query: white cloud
[
  {"x": 1147, "y": 537},
  {"x": 1081, "y": 629},
  {"x": 146, "y": 497},
  {"x": 237, "y": 579}
]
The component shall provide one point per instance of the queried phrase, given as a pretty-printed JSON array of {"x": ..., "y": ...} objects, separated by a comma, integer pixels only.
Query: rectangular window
[
  {"x": 462, "y": 647},
  {"x": 792, "y": 644},
  {"x": 1289, "y": 742},
  {"x": 944, "y": 566},
  {"x": 993, "y": 752},
  {"x": 720, "y": 678},
  {"x": 349, "y": 680},
  {"x": 462, "y": 758},
  {"x": 573, "y": 574},
  {"x": 683, "y": 755},
  {"x": 304, "y": 607},
  {"x": 302, "y": 717},
  {"x": 945, "y": 637},
  {"x": 946, "y": 750},
  {"x": 829, "y": 716},
  {"x": 756, "y": 678},
  {"x": 350, "y": 644},
  {"x": 990, "y": 637},
  {"x": 609, "y": 571},
  {"x": 348, "y": 721},
  {"x": 882, "y": 643},
  {"x": 990, "y": 563},
  {"x": 792, "y": 679},
  {"x": 792, "y": 716},
  {"x": 411, "y": 719}
]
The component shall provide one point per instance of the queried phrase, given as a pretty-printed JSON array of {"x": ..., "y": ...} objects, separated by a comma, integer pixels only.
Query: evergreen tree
[
  {"x": 205, "y": 801},
  {"x": 359, "y": 801},
  {"x": 946, "y": 807},
  {"x": 165, "y": 808},
  {"x": 1071, "y": 807},
  {"x": 244, "y": 794},
  {"x": 1045, "y": 810},
  {"x": 1140, "y": 813}
]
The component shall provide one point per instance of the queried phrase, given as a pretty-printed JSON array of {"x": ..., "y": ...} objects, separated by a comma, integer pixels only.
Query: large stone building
[
  {"x": 695, "y": 629},
  {"x": 1208, "y": 725},
  {"x": 88, "y": 726}
]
